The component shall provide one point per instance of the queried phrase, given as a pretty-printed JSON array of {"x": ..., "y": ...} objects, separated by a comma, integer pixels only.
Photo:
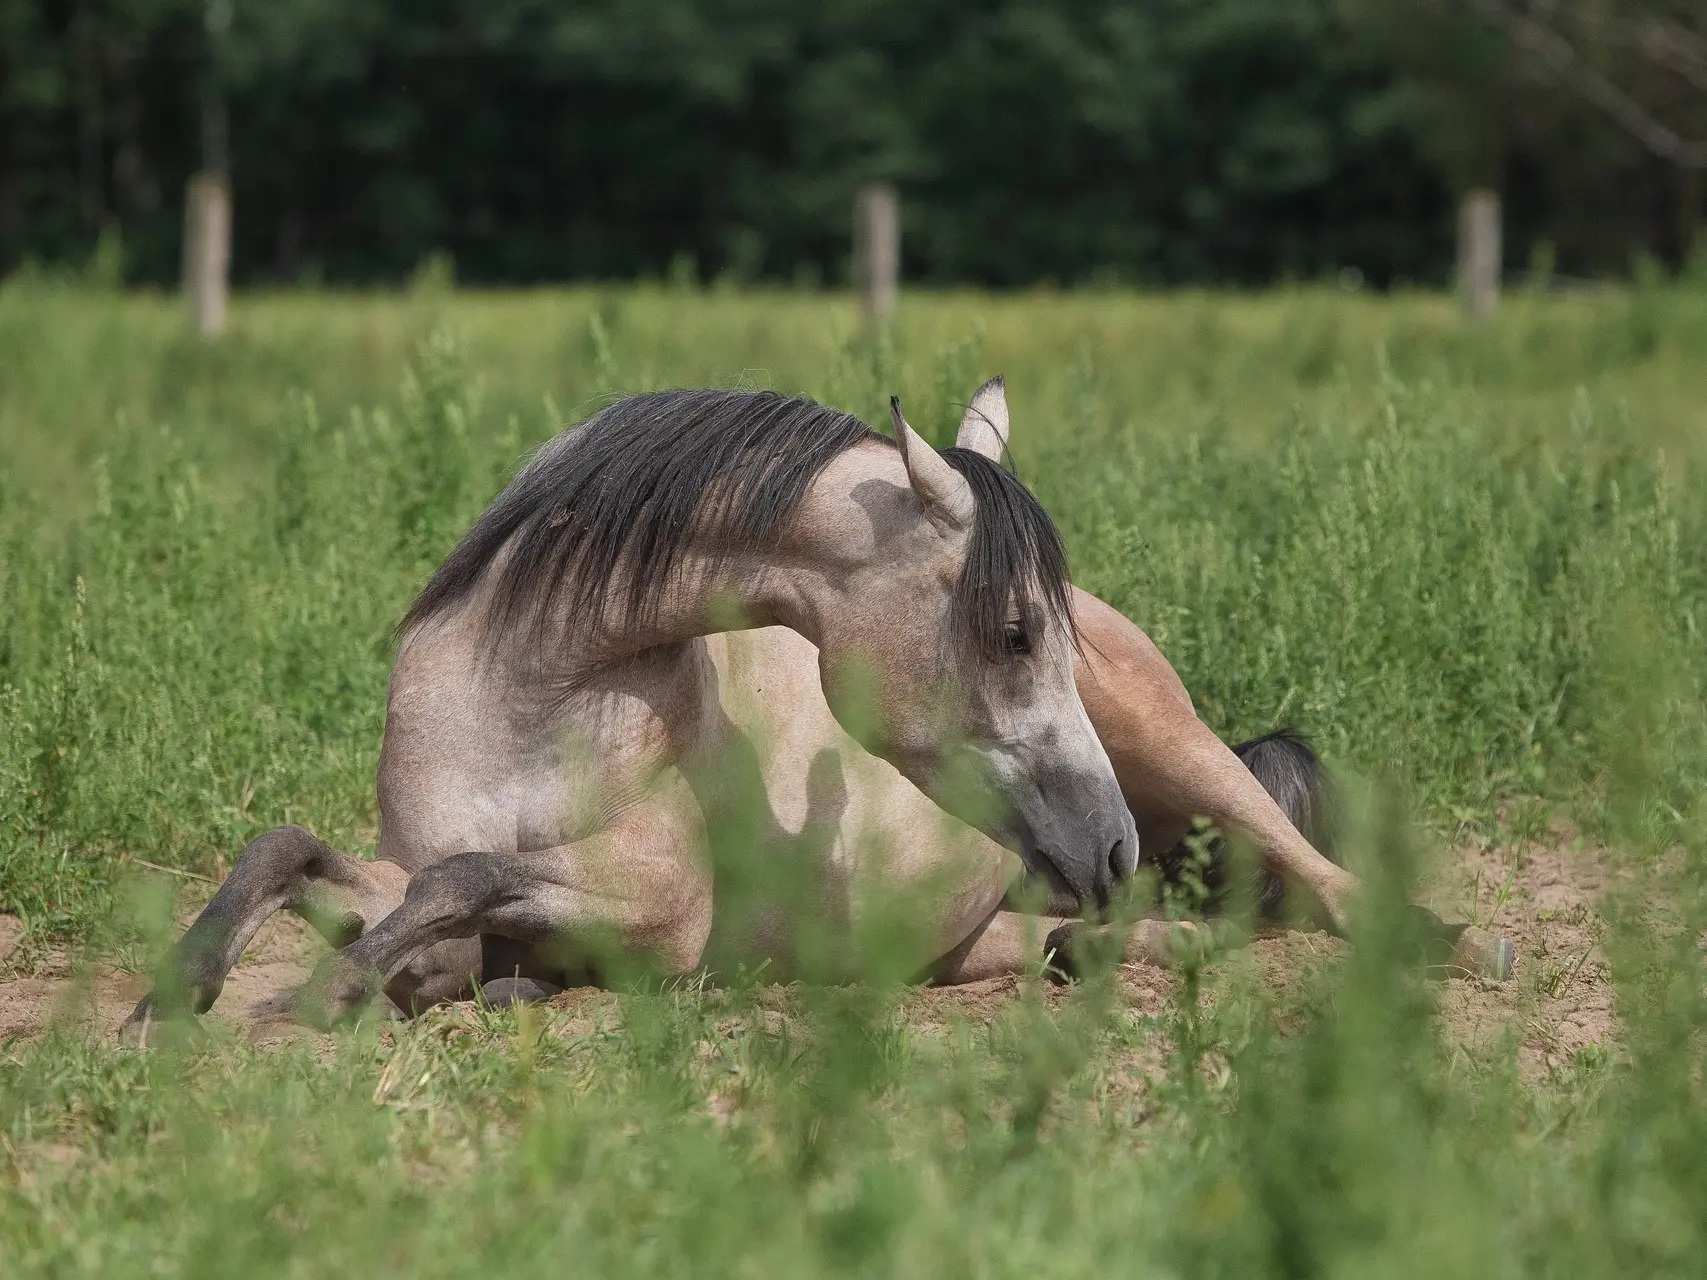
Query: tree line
[{"x": 1147, "y": 141}]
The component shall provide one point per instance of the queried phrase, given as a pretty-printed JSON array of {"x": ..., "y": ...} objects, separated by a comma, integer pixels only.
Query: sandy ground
[
  {"x": 256, "y": 995},
  {"x": 1542, "y": 896},
  {"x": 1560, "y": 1000}
]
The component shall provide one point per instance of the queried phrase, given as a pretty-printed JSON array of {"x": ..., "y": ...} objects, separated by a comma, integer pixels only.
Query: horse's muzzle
[{"x": 1086, "y": 849}]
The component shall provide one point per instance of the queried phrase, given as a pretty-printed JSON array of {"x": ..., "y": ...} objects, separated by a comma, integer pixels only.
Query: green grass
[{"x": 1470, "y": 562}]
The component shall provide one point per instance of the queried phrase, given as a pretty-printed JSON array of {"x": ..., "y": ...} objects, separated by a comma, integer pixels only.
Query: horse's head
[{"x": 950, "y": 650}]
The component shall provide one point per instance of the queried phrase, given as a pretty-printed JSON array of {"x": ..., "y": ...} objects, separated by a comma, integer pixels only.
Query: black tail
[{"x": 1293, "y": 775}]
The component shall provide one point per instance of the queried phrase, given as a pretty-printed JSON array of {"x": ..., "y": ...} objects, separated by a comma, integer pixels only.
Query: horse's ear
[
  {"x": 943, "y": 490},
  {"x": 984, "y": 425}
]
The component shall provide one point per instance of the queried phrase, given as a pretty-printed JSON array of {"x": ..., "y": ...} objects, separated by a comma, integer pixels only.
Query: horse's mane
[{"x": 605, "y": 511}]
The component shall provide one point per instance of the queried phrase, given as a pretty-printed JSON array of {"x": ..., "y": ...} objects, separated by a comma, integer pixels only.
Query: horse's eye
[{"x": 1014, "y": 638}]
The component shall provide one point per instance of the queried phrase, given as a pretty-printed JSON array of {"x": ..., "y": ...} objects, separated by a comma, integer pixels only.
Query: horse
[{"x": 695, "y": 577}]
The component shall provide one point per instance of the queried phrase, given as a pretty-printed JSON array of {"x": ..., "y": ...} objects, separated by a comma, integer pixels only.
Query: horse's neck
[
  {"x": 619, "y": 698},
  {"x": 709, "y": 595},
  {"x": 642, "y": 694},
  {"x": 792, "y": 582}
]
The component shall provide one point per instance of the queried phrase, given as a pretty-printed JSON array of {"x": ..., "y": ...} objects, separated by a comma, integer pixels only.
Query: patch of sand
[
  {"x": 256, "y": 995},
  {"x": 1541, "y": 896}
]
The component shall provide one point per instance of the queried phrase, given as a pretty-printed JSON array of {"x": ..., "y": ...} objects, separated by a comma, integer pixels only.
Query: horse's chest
[
  {"x": 600, "y": 750},
  {"x": 479, "y": 760},
  {"x": 768, "y": 694}
]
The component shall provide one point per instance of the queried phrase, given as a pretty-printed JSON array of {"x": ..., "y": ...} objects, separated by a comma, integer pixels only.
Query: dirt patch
[
  {"x": 936, "y": 1009},
  {"x": 256, "y": 996},
  {"x": 586, "y": 1011},
  {"x": 1542, "y": 896}
]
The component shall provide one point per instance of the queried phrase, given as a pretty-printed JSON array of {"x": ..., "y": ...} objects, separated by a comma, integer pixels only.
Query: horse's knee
[
  {"x": 464, "y": 884},
  {"x": 292, "y": 846},
  {"x": 661, "y": 922},
  {"x": 260, "y": 882}
]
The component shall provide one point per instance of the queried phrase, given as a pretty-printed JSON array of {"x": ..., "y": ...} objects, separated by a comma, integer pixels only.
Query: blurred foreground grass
[{"x": 1473, "y": 562}]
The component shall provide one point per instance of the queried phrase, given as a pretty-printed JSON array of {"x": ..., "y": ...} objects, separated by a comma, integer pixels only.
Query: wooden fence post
[
  {"x": 1479, "y": 263},
  {"x": 207, "y": 249},
  {"x": 877, "y": 249}
]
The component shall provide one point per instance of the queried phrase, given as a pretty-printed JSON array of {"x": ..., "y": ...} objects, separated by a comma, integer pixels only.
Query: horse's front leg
[
  {"x": 287, "y": 869},
  {"x": 1172, "y": 767},
  {"x": 639, "y": 888}
]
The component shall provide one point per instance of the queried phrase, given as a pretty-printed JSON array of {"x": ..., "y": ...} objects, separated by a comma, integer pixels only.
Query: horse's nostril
[{"x": 1117, "y": 860}]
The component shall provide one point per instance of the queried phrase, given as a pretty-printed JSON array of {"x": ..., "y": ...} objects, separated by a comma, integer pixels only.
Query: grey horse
[{"x": 885, "y": 634}]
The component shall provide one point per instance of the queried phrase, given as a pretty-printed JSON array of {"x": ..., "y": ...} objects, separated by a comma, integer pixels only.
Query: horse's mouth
[{"x": 1040, "y": 865}]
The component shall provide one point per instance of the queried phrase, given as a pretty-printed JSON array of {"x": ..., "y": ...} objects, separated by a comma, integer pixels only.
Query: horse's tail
[{"x": 1292, "y": 774}]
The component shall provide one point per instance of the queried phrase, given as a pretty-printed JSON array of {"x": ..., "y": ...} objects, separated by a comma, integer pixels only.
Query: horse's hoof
[
  {"x": 339, "y": 992},
  {"x": 153, "y": 1023},
  {"x": 1078, "y": 949},
  {"x": 1061, "y": 958},
  {"x": 1487, "y": 955},
  {"x": 136, "y": 1030},
  {"x": 503, "y": 991}
]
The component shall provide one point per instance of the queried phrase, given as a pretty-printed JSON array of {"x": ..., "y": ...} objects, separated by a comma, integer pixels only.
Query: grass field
[{"x": 1470, "y": 563}]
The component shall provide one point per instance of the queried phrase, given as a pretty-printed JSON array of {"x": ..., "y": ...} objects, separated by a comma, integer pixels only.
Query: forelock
[{"x": 1014, "y": 559}]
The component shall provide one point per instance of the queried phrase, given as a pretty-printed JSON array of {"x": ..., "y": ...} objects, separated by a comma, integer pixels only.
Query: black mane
[{"x": 618, "y": 500}]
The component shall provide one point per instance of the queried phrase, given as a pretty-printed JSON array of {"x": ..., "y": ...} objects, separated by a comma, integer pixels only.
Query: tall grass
[
  {"x": 198, "y": 622},
  {"x": 1471, "y": 562}
]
